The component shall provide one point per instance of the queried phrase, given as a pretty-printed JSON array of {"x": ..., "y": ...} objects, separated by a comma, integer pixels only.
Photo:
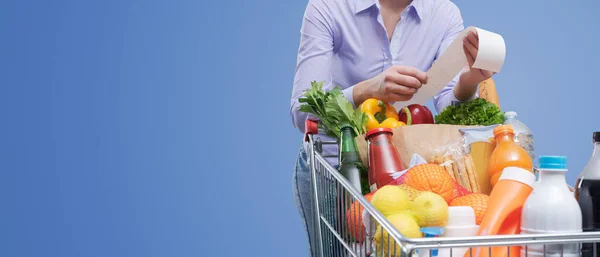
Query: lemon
[
  {"x": 430, "y": 209},
  {"x": 405, "y": 224},
  {"x": 410, "y": 191},
  {"x": 390, "y": 199}
]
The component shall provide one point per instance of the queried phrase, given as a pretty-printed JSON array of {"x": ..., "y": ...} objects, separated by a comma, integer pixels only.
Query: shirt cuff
[
  {"x": 349, "y": 94},
  {"x": 455, "y": 101}
]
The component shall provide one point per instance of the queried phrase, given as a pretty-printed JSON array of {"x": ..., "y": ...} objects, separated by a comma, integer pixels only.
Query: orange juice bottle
[
  {"x": 507, "y": 153},
  {"x": 503, "y": 214}
]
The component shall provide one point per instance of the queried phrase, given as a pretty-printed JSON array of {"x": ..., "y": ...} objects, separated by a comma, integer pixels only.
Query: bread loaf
[{"x": 487, "y": 91}]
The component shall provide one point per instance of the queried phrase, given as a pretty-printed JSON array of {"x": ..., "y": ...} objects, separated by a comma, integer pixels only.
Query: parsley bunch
[{"x": 476, "y": 112}]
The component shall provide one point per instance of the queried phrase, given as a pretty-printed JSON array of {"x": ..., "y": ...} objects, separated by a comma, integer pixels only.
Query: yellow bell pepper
[{"x": 380, "y": 114}]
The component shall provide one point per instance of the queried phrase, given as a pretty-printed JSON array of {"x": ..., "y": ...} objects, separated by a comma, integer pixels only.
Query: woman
[{"x": 374, "y": 49}]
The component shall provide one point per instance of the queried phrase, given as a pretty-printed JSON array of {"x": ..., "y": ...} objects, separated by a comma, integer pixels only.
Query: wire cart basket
[{"x": 333, "y": 197}]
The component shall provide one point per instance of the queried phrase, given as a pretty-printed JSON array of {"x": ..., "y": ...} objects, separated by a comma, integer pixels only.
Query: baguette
[
  {"x": 471, "y": 174},
  {"x": 487, "y": 91}
]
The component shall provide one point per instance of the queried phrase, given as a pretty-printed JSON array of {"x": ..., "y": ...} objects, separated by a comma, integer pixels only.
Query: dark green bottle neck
[{"x": 347, "y": 141}]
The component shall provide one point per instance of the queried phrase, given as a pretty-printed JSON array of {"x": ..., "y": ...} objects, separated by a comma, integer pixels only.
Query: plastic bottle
[
  {"x": 506, "y": 154},
  {"x": 523, "y": 135},
  {"x": 587, "y": 193},
  {"x": 551, "y": 208},
  {"x": 503, "y": 214},
  {"x": 384, "y": 159}
]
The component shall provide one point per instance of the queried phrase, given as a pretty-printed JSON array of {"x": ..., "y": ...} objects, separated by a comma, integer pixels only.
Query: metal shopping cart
[{"x": 334, "y": 195}]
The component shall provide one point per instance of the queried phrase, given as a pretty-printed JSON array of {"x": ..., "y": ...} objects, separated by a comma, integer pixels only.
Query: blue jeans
[
  {"x": 304, "y": 198},
  {"x": 304, "y": 201}
]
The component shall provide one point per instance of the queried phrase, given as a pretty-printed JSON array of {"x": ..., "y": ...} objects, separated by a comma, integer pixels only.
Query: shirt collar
[
  {"x": 361, "y": 5},
  {"x": 417, "y": 5}
]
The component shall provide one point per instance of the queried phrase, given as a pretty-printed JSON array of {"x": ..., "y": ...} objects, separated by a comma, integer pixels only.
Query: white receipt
[{"x": 490, "y": 56}]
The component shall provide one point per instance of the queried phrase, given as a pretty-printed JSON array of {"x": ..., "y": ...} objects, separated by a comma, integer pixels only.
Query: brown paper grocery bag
[{"x": 422, "y": 139}]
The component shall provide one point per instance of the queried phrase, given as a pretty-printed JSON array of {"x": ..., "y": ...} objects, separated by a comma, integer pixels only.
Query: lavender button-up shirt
[{"x": 344, "y": 42}]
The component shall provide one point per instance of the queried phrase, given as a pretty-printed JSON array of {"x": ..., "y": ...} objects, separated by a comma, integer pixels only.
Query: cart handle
[{"x": 311, "y": 127}]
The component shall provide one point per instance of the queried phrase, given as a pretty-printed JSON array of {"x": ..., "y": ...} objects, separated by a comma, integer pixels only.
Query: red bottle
[{"x": 384, "y": 159}]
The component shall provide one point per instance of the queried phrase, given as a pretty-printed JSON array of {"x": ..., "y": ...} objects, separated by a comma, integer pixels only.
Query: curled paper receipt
[{"x": 490, "y": 56}]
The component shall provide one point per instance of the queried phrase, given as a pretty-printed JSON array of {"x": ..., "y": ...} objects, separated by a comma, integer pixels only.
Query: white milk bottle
[{"x": 551, "y": 208}]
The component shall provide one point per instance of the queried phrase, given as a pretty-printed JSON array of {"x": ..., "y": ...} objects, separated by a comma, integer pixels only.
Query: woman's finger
[
  {"x": 393, "y": 97},
  {"x": 405, "y": 80},
  {"x": 393, "y": 88},
  {"x": 470, "y": 51},
  {"x": 470, "y": 58},
  {"x": 473, "y": 38},
  {"x": 413, "y": 72}
]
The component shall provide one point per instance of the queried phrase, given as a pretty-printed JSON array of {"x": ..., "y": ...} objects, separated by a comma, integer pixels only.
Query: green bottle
[{"x": 351, "y": 165}]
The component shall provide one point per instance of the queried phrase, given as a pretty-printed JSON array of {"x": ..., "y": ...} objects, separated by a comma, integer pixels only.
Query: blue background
[{"x": 162, "y": 128}]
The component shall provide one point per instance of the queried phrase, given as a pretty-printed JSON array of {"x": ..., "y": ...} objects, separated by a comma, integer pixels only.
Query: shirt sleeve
[
  {"x": 446, "y": 97},
  {"x": 314, "y": 58}
]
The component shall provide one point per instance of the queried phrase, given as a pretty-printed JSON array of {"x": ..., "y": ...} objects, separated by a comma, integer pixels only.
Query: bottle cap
[
  {"x": 378, "y": 130},
  {"x": 503, "y": 129},
  {"x": 511, "y": 113},
  {"x": 552, "y": 162},
  {"x": 596, "y": 137}
]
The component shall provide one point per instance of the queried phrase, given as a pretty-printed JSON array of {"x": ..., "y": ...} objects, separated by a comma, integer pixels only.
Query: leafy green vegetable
[
  {"x": 476, "y": 112},
  {"x": 333, "y": 110}
]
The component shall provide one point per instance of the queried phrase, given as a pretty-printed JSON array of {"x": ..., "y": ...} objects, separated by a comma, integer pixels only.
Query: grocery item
[
  {"x": 487, "y": 91},
  {"x": 506, "y": 154},
  {"x": 415, "y": 114},
  {"x": 523, "y": 135},
  {"x": 405, "y": 224},
  {"x": 430, "y": 210},
  {"x": 431, "y": 232},
  {"x": 503, "y": 214},
  {"x": 410, "y": 191},
  {"x": 551, "y": 208},
  {"x": 390, "y": 199},
  {"x": 587, "y": 193},
  {"x": 430, "y": 177},
  {"x": 476, "y": 112},
  {"x": 458, "y": 163},
  {"x": 380, "y": 114},
  {"x": 354, "y": 220},
  {"x": 333, "y": 110},
  {"x": 480, "y": 154},
  {"x": 351, "y": 165},
  {"x": 461, "y": 223},
  {"x": 479, "y": 146},
  {"x": 471, "y": 135},
  {"x": 384, "y": 159},
  {"x": 477, "y": 202},
  {"x": 422, "y": 139}
]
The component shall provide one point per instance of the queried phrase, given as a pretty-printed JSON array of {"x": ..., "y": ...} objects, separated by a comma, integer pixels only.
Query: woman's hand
[
  {"x": 470, "y": 79},
  {"x": 397, "y": 83}
]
